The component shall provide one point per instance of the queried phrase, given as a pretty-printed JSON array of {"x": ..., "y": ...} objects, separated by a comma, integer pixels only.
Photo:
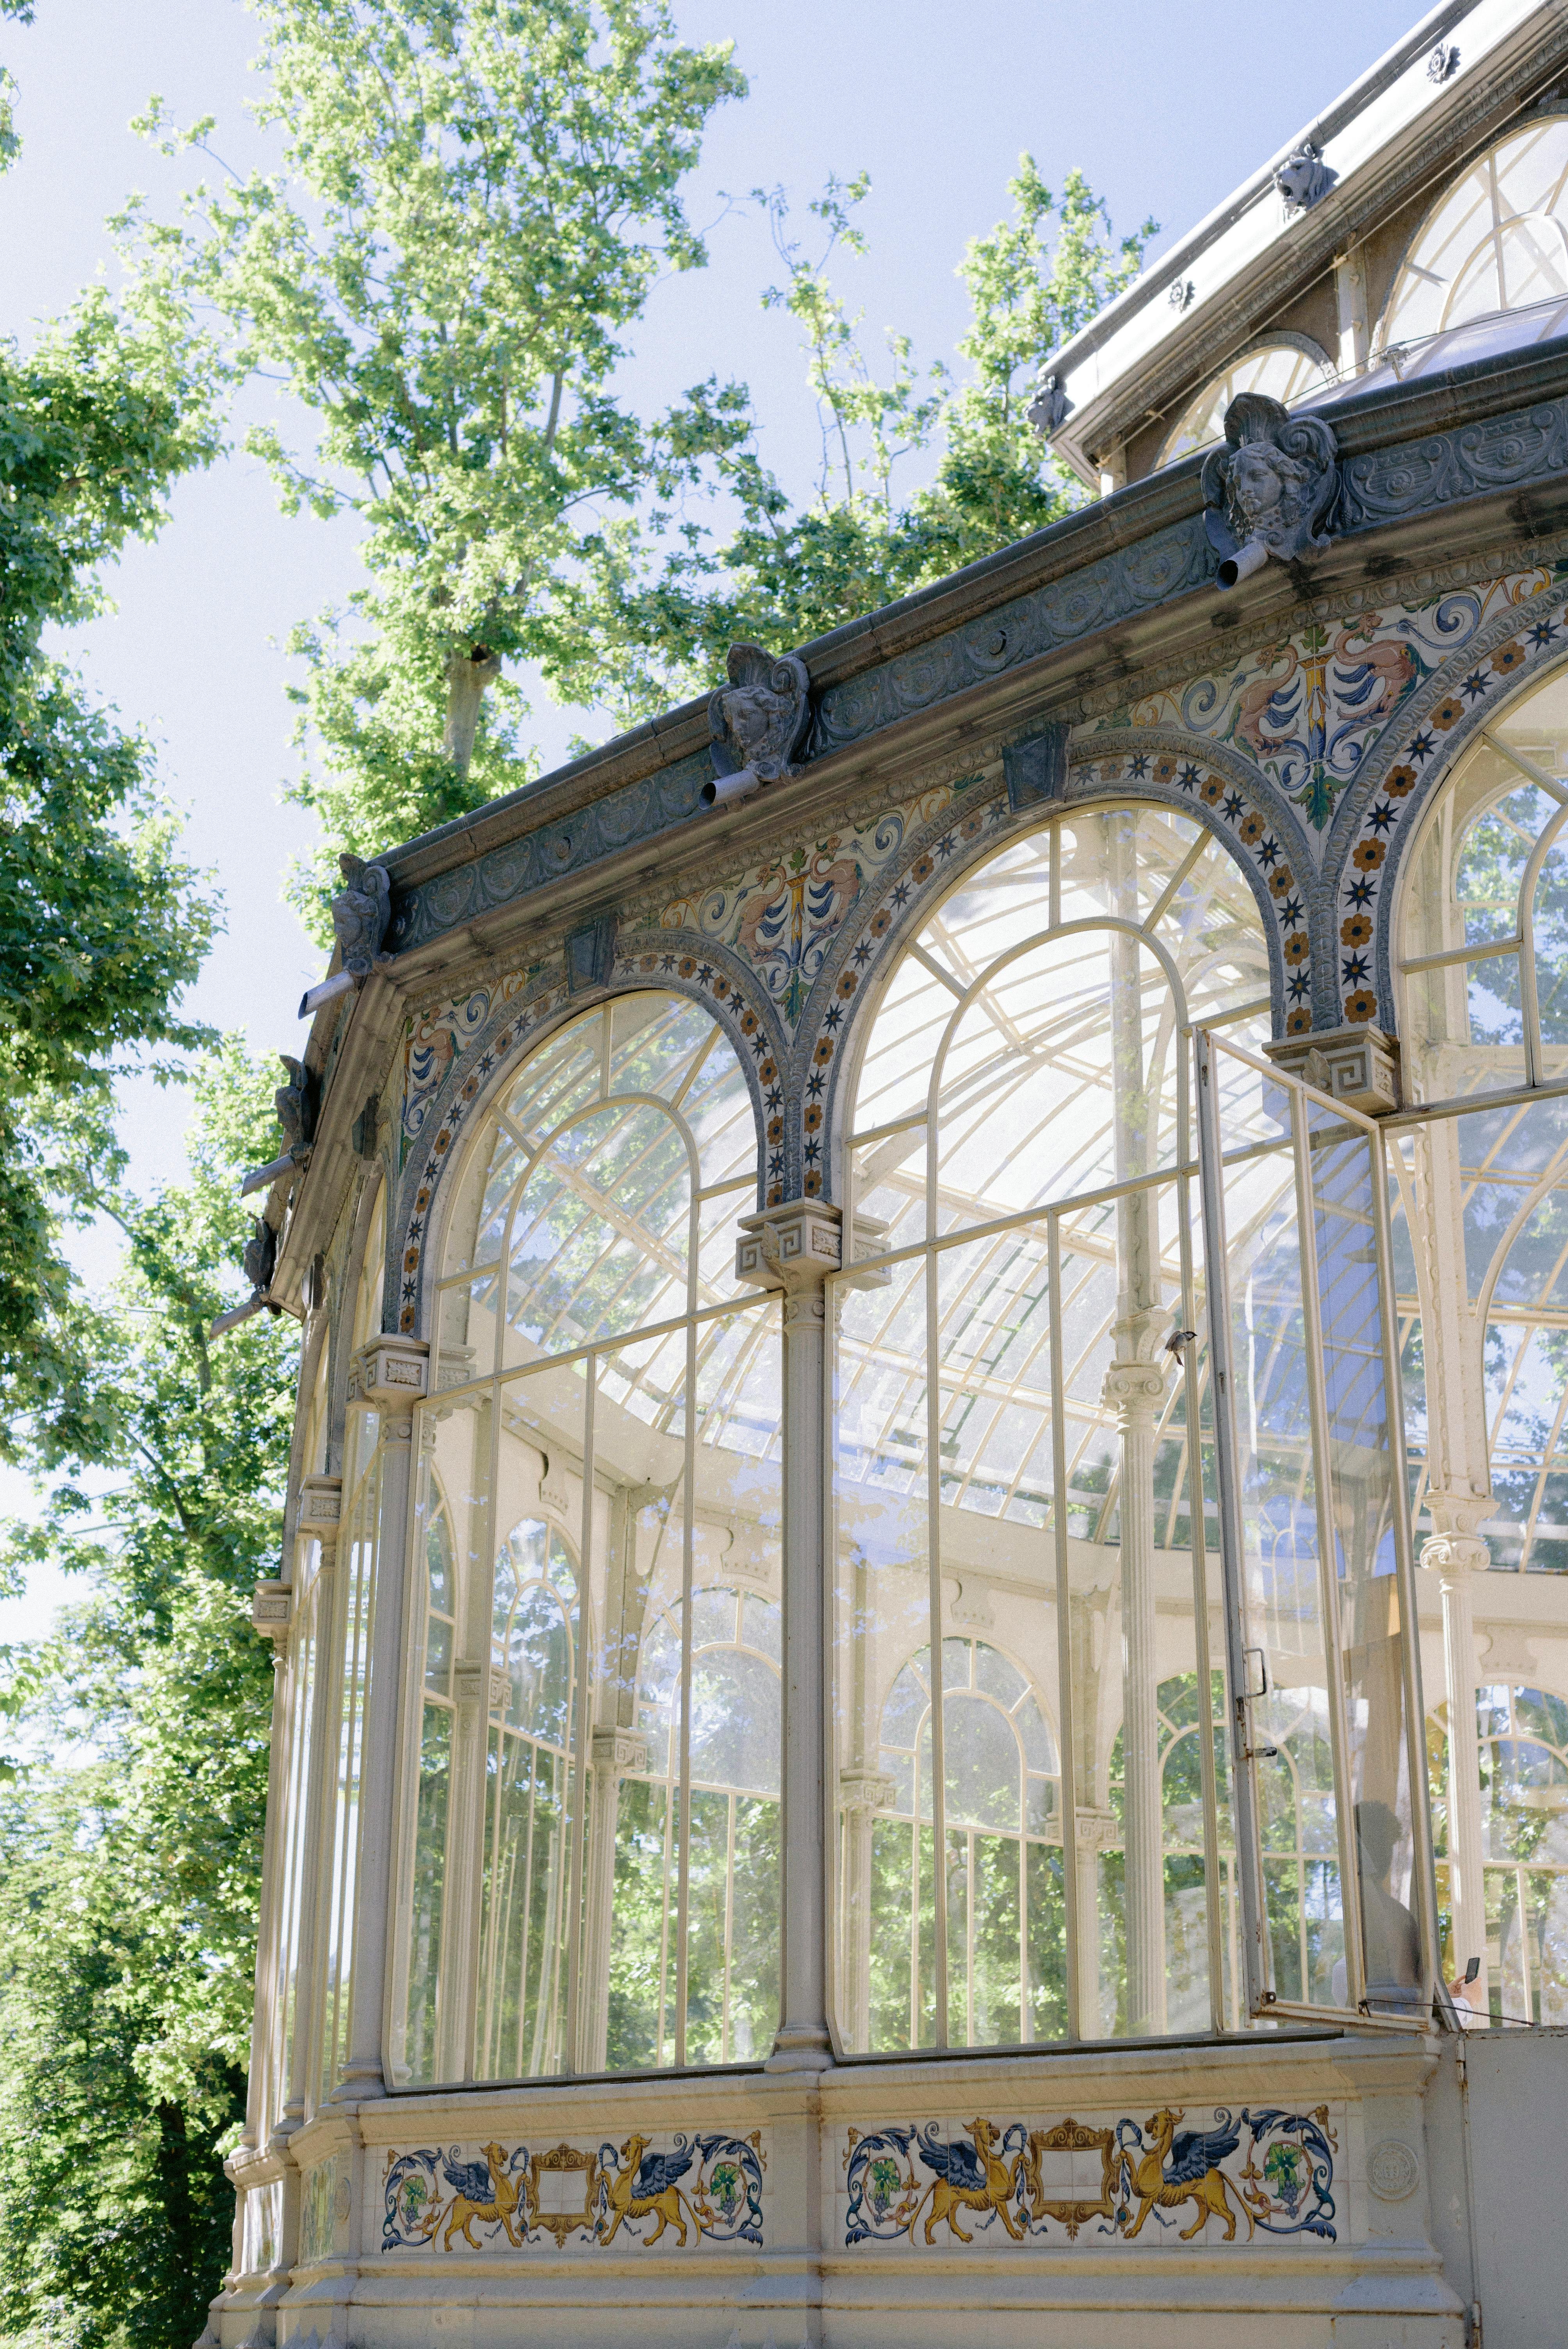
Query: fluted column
[
  {"x": 320, "y": 1511},
  {"x": 391, "y": 1375},
  {"x": 1135, "y": 1390},
  {"x": 613, "y": 1752},
  {"x": 862, "y": 1794},
  {"x": 1455, "y": 1553}
]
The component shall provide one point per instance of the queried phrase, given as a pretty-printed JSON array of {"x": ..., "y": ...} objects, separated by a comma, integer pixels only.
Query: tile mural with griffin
[
  {"x": 1264, "y": 2169},
  {"x": 682, "y": 2190}
]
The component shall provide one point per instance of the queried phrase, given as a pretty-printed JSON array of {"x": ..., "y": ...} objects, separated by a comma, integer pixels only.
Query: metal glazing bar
[
  {"x": 1486, "y": 953},
  {"x": 1550, "y": 784},
  {"x": 933, "y": 1603},
  {"x": 1424, "y": 1869},
  {"x": 1327, "y": 1568},
  {"x": 940, "y": 1242},
  {"x": 1233, "y": 1573},
  {"x": 578, "y": 1737},
  {"x": 1213, "y": 1888},
  {"x": 1231, "y": 1019},
  {"x": 885, "y": 1132},
  {"x": 1529, "y": 1000},
  {"x": 1467, "y": 1104},
  {"x": 1166, "y": 894},
  {"x": 688, "y": 1531},
  {"x": 1064, "y": 1632}
]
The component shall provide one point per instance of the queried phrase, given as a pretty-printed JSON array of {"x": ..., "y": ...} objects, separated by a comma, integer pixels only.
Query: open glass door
[{"x": 1324, "y": 1667}]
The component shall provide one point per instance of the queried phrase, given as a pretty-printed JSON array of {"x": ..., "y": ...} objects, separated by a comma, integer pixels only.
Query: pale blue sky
[{"x": 1164, "y": 109}]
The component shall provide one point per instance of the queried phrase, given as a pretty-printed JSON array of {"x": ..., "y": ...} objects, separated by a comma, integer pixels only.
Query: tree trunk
[{"x": 468, "y": 674}]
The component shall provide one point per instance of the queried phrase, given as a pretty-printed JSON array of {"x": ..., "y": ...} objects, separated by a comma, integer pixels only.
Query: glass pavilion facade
[{"x": 931, "y": 1477}]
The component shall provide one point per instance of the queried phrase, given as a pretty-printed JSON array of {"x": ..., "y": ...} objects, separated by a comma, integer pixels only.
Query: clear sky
[{"x": 1164, "y": 109}]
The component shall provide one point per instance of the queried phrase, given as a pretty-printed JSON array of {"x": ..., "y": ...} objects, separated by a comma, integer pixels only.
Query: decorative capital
[
  {"x": 271, "y": 1607},
  {"x": 389, "y": 1374},
  {"x": 1271, "y": 488},
  {"x": 614, "y": 1750},
  {"x": 1095, "y": 1830},
  {"x": 1359, "y": 1066},
  {"x": 1135, "y": 1392},
  {"x": 320, "y": 1505},
  {"x": 796, "y": 1245},
  {"x": 864, "y": 1792},
  {"x": 1454, "y": 1556},
  {"x": 481, "y": 1684}
]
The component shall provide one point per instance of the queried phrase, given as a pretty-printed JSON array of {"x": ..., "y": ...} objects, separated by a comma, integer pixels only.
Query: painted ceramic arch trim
[
  {"x": 687, "y": 2189},
  {"x": 1516, "y": 645},
  {"x": 1002, "y": 2183},
  {"x": 472, "y": 1076},
  {"x": 1192, "y": 777},
  {"x": 1307, "y": 706}
]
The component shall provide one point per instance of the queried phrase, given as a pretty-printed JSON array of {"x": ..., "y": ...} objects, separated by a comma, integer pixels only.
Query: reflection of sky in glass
[{"x": 735, "y": 1690}]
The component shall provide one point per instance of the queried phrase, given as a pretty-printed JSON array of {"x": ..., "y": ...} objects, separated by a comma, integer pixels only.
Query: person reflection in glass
[{"x": 1389, "y": 1932}]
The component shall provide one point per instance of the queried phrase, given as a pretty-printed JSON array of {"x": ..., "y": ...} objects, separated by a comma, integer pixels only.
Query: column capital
[
  {"x": 272, "y": 1608},
  {"x": 485, "y": 1685},
  {"x": 1455, "y": 1546},
  {"x": 613, "y": 1750},
  {"x": 1359, "y": 1066},
  {"x": 390, "y": 1374},
  {"x": 796, "y": 1245},
  {"x": 1134, "y": 1391},
  {"x": 1095, "y": 1830},
  {"x": 320, "y": 1505},
  {"x": 865, "y": 1790}
]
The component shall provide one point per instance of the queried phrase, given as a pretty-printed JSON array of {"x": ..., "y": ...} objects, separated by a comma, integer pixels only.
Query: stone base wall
[{"x": 1086, "y": 2198}]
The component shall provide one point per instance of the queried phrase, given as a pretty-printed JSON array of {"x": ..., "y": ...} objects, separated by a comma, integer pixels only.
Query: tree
[
  {"x": 480, "y": 196},
  {"x": 102, "y": 924},
  {"x": 130, "y": 1857},
  {"x": 653, "y": 612}
]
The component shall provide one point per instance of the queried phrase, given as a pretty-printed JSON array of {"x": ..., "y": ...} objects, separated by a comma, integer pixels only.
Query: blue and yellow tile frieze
[
  {"x": 1219, "y": 2175},
  {"x": 679, "y": 2189}
]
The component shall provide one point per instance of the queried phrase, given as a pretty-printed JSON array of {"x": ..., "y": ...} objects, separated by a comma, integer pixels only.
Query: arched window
[
  {"x": 1497, "y": 239},
  {"x": 603, "y": 1434},
  {"x": 1283, "y": 371},
  {"x": 1484, "y": 912},
  {"x": 1004, "y": 1843},
  {"x": 1014, "y": 1436}
]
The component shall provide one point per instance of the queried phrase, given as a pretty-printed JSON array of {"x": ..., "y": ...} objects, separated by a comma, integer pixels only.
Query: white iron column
[
  {"x": 613, "y": 1752},
  {"x": 1460, "y": 1501},
  {"x": 793, "y": 1249},
  {"x": 863, "y": 1793},
  {"x": 392, "y": 1375},
  {"x": 1136, "y": 1390},
  {"x": 1456, "y": 1553}
]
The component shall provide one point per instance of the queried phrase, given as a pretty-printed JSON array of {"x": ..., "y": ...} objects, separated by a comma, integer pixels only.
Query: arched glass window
[
  {"x": 1004, "y": 1845},
  {"x": 604, "y": 1436},
  {"x": 732, "y": 1767},
  {"x": 1280, "y": 370},
  {"x": 1021, "y": 1158},
  {"x": 1497, "y": 239},
  {"x": 1484, "y": 912}
]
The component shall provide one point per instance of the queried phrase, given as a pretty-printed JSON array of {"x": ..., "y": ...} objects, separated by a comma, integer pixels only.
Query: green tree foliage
[
  {"x": 102, "y": 924},
  {"x": 130, "y": 1856},
  {"x": 479, "y": 197},
  {"x": 654, "y": 610}
]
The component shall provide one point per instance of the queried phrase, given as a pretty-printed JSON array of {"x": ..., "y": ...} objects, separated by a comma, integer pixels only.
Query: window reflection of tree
[
  {"x": 524, "y": 1899},
  {"x": 433, "y": 1796},
  {"x": 1524, "y": 1809},
  {"x": 732, "y": 1994},
  {"x": 1003, "y": 1859}
]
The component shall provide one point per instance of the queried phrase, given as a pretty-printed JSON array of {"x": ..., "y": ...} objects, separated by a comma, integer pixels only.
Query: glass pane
[{"x": 354, "y": 1615}]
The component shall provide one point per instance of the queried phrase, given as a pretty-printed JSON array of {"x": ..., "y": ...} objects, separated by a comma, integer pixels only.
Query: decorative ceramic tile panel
[
  {"x": 679, "y": 2189},
  {"x": 1219, "y": 2174}
]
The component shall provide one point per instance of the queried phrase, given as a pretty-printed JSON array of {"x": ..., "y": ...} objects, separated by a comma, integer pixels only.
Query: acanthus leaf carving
[{"x": 1271, "y": 488}]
